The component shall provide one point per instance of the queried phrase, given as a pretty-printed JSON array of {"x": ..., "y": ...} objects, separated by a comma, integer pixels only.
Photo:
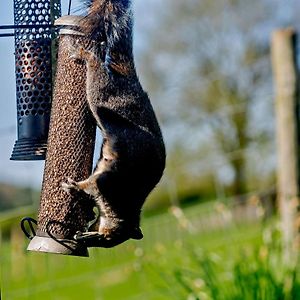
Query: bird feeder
[
  {"x": 69, "y": 153},
  {"x": 33, "y": 65}
]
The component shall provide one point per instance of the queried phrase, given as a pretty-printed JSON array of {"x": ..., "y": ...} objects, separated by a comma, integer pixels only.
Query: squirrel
[{"x": 132, "y": 157}]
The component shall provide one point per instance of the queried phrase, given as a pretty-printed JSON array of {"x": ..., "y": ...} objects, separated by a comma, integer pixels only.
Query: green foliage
[
  {"x": 213, "y": 69},
  {"x": 255, "y": 273}
]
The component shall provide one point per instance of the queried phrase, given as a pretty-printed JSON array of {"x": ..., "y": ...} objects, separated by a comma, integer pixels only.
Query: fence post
[{"x": 285, "y": 75}]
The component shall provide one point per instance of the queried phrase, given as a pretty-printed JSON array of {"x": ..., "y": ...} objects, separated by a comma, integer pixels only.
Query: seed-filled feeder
[
  {"x": 69, "y": 154},
  {"x": 53, "y": 124},
  {"x": 33, "y": 64}
]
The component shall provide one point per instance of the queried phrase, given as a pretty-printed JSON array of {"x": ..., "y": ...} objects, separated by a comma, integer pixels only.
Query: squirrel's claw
[
  {"x": 87, "y": 235},
  {"x": 69, "y": 185},
  {"x": 96, "y": 239},
  {"x": 91, "y": 239}
]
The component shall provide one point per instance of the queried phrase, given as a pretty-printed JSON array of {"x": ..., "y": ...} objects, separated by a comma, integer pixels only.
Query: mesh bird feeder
[
  {"x": 33, "y": 64},
  {"x": 69, "y": 154}
]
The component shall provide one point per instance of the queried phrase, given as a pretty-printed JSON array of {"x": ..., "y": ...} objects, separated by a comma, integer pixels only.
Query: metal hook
[{"x": 30, "y": 235}]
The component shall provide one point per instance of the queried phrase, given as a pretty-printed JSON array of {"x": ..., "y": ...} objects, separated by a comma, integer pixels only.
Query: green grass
[
  {"x": 144, "y": 270},
  {"x": 252, "y": 271}
]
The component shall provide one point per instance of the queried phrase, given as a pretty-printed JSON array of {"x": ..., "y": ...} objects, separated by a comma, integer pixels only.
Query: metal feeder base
[
  {"x": 29, "y": 149},
  {"x": 49, "y": 245}
]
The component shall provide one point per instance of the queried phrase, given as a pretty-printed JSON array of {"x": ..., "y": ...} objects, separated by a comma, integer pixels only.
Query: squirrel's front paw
[{"x": 69, "y": 185}]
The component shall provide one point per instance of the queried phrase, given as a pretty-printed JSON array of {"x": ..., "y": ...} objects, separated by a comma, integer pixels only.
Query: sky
[{"x": 30, "y": 173}]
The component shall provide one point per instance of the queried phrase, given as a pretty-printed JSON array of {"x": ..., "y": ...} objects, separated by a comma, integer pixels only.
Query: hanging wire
[
  {"x": 6, "y": 34},
  {"x": 70, "y": 5}
]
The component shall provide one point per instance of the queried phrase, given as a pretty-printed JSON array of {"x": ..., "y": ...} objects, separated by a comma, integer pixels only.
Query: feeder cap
[{"x": 68, "y": 23}]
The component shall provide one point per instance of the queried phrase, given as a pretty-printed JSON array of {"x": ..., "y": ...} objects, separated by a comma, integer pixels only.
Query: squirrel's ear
[{"x": 137, "y": 234}]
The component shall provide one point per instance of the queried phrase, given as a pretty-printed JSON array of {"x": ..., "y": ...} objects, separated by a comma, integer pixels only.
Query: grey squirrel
[{"x": 132, "y": 158}]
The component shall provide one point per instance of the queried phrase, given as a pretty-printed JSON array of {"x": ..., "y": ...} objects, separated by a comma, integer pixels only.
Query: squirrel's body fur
[{"x": 132, "y": 156}]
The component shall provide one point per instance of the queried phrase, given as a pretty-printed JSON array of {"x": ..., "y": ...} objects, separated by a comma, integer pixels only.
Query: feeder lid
[{"x": 71, "y": 22}]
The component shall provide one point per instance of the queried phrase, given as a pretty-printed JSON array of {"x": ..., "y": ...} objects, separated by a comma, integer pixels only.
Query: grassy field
[{"x": 135, "y": 270}]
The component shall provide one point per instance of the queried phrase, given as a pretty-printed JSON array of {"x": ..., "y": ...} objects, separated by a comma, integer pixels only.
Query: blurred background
[{"x": 211, "y": 227}]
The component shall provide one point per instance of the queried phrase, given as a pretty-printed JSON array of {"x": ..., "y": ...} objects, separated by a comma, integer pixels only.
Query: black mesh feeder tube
[
  {"x": 69, "y": 154},
  {"x": 33, "y": 64}
]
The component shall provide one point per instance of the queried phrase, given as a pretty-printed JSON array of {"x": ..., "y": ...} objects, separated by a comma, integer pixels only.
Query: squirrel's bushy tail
[
  {"x": 107, "y": 19},
  {"x": 110, "y": 23}
]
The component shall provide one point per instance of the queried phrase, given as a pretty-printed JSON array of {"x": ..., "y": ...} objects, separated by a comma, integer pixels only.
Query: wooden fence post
[{"x": 285, "y": 74}]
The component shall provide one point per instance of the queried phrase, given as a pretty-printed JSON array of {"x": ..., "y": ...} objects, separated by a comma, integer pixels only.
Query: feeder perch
[
  {"x": 33, "y": 64},
  {"x": 69, "y": 154}
]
